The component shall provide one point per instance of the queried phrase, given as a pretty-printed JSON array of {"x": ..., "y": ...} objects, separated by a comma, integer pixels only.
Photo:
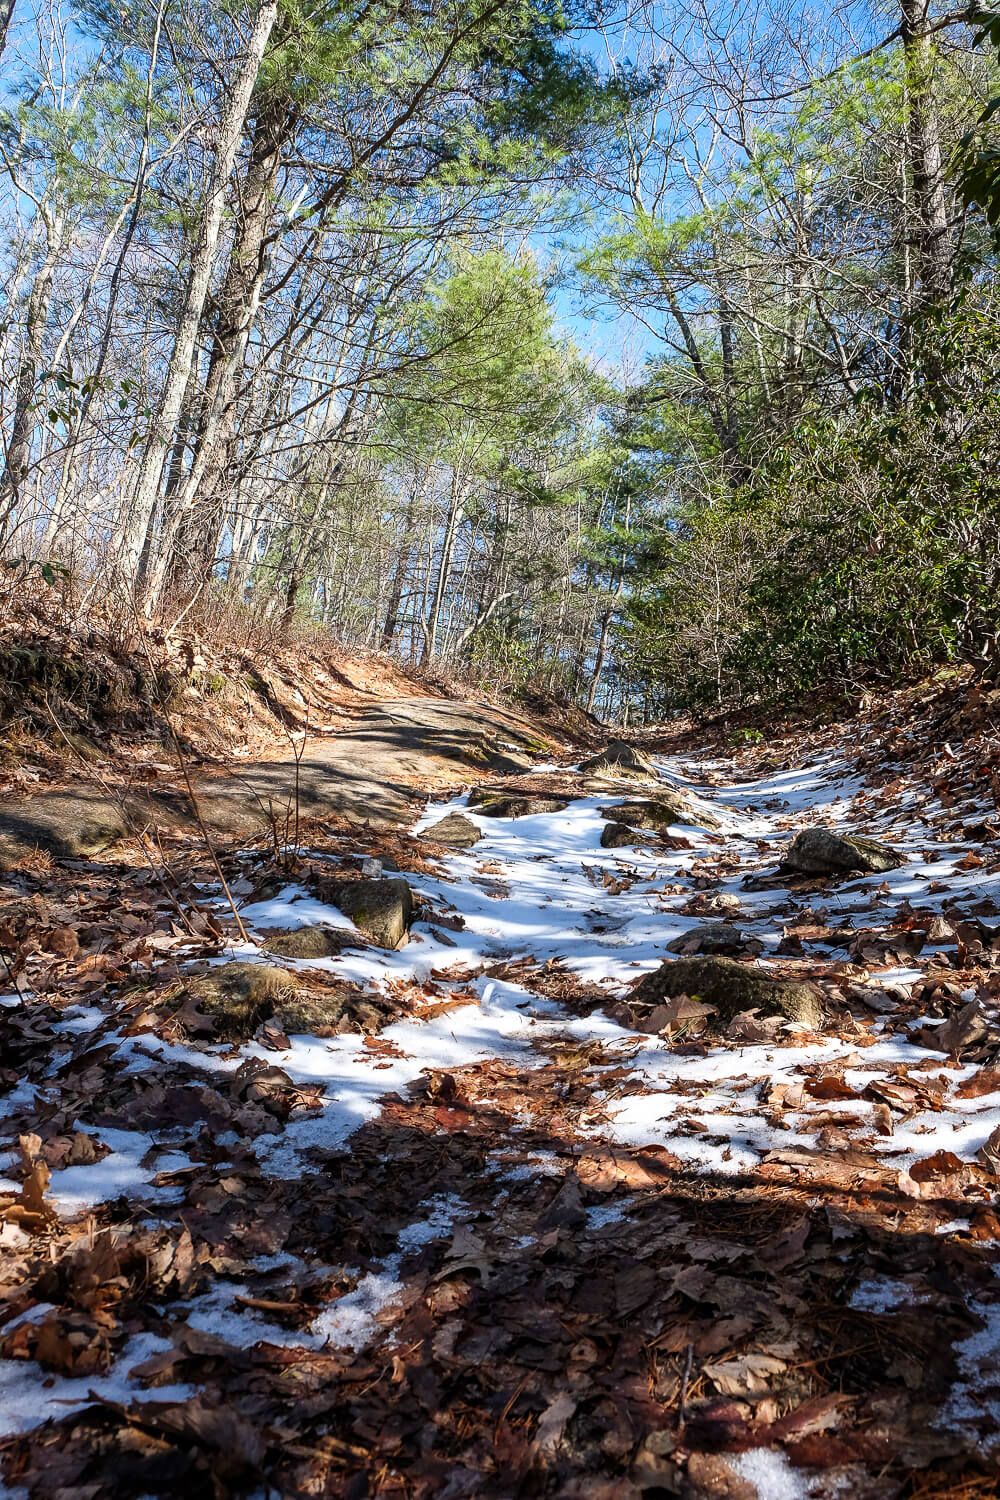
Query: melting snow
[
  {"x": 350, "y": 1321},
  {"x": 29, "y": 1396},
  {"x": 74, "y": 1189},
  {"x": 772, "y": 1474},
  {"x": 975, "y": 1397},
  {"x": 545, "y": 897}
]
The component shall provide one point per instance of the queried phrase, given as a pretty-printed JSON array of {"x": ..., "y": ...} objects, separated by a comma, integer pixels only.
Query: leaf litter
[{"x": 501, "y": 1229}]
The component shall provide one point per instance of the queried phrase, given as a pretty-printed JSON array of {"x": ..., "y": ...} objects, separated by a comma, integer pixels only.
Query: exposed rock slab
[
  {"x": 80, "y": 823},
  {"x": 60, "y": 823},
  {"x": 377, "y": 771}
]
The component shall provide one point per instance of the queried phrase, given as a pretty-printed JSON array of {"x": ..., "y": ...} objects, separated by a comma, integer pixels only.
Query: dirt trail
[
  {"x": 379, "y": 769},
  {"x": 536, "y": 1236},
  {"x": 375, "y": 770}
]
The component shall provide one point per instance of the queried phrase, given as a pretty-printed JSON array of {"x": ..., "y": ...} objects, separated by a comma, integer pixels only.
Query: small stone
[
  {"x": 455, "y": 830},
  {"x": 713, "y": 904}
]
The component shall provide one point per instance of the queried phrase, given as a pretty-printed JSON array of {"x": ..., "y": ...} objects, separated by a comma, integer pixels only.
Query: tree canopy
[{"x": 647, "y": 355}]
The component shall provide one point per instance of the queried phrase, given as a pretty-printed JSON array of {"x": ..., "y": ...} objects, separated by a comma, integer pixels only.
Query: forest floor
[{"x": 476, "y": 1216}]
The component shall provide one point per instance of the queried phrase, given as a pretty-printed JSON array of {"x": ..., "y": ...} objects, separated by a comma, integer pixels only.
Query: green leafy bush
[{"x": 870, "y": 548}]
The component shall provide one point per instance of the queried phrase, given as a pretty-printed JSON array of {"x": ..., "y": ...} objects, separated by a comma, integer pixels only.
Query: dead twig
[{"x": 685, "y": 1380}]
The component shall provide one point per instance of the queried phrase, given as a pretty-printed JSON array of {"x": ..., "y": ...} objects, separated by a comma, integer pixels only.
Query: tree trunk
[
  {"x": 444, "y": 568},
  {"x": 18, "y": 454},
  {"x": 601, "y": 657},
  {"x": 238, "y": 302},
  {"x": 399, "y": 577},
  {"x": 6, "y": 16},
  {"x": 928, "y": 228},
  {"x": 203, "y": 257},
  {"x": 722, "y": 425}
]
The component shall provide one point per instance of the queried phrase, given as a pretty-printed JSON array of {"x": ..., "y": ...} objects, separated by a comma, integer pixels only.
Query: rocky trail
[
  {"x": 617, "y": 1130},
  {"x": 366, "y": 771}
]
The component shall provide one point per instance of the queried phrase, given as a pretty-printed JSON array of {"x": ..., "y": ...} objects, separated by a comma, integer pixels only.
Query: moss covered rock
[
  {"x": 731, "y": 988},
  {"x": 382, "y": 909},
  {"x": 490, "y": 804},
  {"x": 240, "y": 997},
  {"x": 618, "y": 836},
  {"x": 307, "y": 942},
  {"x": 714, "y": 938},
  {"x": 322, "y": 1012},
  {"x": 820, "y": 851},
  {"x": 662, "y": 811},
  {"x": 455, "y": 830},
  {"x": 620, "y": 759}
]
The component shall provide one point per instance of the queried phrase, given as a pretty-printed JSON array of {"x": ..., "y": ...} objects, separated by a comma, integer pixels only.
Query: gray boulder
[
  {"x": 383, "y": 909},
  {"x": 730, "y": 988},
  {"x": 455, "y": 830},
  {"x": 819, "y": 851},
  {"x": 662, "y": 811}
]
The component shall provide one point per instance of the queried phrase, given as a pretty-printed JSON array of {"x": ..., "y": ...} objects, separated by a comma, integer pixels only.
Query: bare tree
[{"x": 138, "y": 528}]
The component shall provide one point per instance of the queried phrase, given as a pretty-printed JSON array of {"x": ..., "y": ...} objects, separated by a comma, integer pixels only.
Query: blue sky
[{"x": 604, "y": 335}]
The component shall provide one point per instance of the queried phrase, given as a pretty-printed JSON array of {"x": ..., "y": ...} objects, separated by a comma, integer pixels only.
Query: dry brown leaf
[{"x": 748, "y": 1375}]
